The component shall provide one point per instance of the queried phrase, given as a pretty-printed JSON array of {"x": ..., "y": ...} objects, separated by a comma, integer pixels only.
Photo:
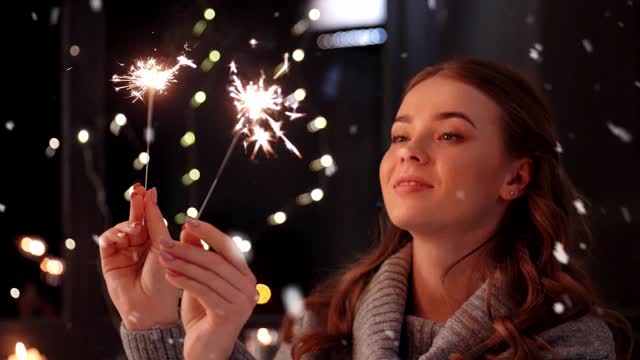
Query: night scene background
[{"x": 298, "y": 219}]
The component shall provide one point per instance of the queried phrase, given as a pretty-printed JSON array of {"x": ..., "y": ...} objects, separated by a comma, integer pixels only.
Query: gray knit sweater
[{"x": 382, "y": 330}]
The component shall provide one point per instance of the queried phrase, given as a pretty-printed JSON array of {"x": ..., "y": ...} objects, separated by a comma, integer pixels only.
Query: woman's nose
[{"x": 409, "y": 153}]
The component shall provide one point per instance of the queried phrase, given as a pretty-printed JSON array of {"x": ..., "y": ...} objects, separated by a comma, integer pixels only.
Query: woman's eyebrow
[{"x": 441, "y": 116}]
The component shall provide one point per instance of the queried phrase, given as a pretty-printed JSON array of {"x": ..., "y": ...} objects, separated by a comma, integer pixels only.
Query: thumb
[{"x": 153, "y": 218}]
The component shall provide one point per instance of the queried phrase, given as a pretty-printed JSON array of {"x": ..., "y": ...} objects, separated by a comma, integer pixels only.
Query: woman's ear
[{"x": 517, "y": 179}]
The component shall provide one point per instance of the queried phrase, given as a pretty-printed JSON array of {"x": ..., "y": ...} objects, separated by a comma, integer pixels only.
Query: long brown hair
[{"x": 521, "y": 249}]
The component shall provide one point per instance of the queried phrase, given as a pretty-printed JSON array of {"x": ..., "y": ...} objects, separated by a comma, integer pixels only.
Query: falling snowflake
[
  {"x": 558, "y": 307},
  {"x": 620, "y": 132},
  {"x": 293, "y": 301},
  {"x": 579, "y": 205},
  {"x": 560, "y": 254},
  {"x": 3, "y": 207},
  {"x": 558, "y": 148},
  {"x": 626, "y": 214},
  {"x": 587, "y": 45}
]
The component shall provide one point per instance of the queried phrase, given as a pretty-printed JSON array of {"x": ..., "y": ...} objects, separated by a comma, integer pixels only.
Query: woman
[{"x": 472, "y": 264}]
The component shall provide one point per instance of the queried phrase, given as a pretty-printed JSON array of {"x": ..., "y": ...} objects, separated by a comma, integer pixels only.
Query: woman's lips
[{"x": 410, "y": 184}]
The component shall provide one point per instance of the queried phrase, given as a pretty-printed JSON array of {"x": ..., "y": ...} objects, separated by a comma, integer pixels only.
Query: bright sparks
[
  {"x": 257, "y": 106},
  {"x": 149, "y": 75}
]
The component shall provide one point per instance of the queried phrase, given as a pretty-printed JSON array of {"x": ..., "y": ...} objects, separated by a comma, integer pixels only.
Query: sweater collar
[{"x": 380, "y": 315}]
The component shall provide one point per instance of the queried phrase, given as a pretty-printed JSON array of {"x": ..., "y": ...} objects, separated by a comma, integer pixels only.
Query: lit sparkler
[
  {"x": 149, "y": 77},
  {"x": 257, "y": 108}
]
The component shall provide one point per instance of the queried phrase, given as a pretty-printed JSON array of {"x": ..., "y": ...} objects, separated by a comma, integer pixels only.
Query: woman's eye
[
  {"x": 450, "y": 136},
  {"x": 398, "y": 138}
]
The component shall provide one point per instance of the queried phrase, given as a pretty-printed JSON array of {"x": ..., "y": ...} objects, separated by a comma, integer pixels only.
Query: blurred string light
[
  {"x": 74, "y": 50},
  {"x": 9, "y": 125},
  {"x": 317, "y": 124},
  {"x": 199, "y": 28},
  {"x": 188, "y": 139},
  {"x": 324, "y": 162},
  {"x": 70, "y": 244},
  {"x": 243, "y": 245},
  {"x": 339, "y": 14},
  {"x": 52, "y": 266},
  {"x": 117, "y": 123},
  {"x": 278, "y": 218},
  {"x": 190, "y": 177},
  {"x": 192, "y": 212},
  {"x": 15, "y": 293},
  {"x": 352, "y": 38},
  {"x": 142, "y": 160},
  {"x": 215, "y": 55},
  {"x": 54, "y": 144},
  {"x": 83, "y": 136},
  {"x": 198, "y": 98},
  {"x": 300, "y": 95},
  {"x": 32, "y": 246},
  {"x": 300, "y": 27},
  {"x": 309, "y": 197},
  {"x": 298, "y": 55},
  {"x": 179, "y": 218},
  {"x": 314, "y": 14},
  {"x": 209, "y": 14},
  {"x": 3, "y": 207},
  {"x": 209, "y": 61},
  {"x": 264, "y": 336},
  {"x": 265, "y": 294}
]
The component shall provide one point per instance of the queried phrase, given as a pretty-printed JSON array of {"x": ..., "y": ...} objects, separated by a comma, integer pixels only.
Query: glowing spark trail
[
  {"x": 257, "y": 107},
  {"x": 149, "y": 76}
]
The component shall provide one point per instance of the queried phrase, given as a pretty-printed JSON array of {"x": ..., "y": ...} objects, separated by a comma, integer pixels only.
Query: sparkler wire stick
[
  {"x": 148, "y": 135},
  {"x": 222, "y": 166}
]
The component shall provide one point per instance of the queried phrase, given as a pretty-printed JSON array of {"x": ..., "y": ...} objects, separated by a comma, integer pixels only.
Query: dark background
[{"x": 49, "y": 93}]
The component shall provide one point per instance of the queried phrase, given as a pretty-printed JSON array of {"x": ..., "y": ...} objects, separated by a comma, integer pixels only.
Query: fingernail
[
  {"x": 153, "y": 193},
  {"x": 120, "y": 234},
  {"x": 191, "y": 221},
  {"x": 165, "y": 255},
  {"x": 167, "y": 242},
  {"x": 134, "y": 224}
]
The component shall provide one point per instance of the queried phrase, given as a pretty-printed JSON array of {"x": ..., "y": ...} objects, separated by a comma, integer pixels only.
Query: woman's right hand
[{"x": 135, "y": 279}]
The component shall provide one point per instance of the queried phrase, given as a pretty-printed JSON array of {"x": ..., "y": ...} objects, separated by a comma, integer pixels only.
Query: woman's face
[{"x": 446, "y": 165}]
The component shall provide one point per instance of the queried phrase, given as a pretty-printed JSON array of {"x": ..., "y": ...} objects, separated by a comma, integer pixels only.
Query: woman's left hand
[{"x": 219, "y": 289}]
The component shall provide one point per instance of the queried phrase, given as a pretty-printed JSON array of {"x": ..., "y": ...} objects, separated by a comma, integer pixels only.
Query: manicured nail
[
  {"x": 120, "y": 234},
  {"x": 153, "y": 193},
  {"x": 167, "y": 242},
  {"x": 191, "y": 221},
  {"x": 133, "y": 224},
  {"x": 165, "y": 255}
]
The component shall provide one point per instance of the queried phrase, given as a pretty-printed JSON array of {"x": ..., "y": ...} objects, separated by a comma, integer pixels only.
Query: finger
[
  {"x": 220, "y": 242},
  {"x": 209, "y": 299},
  {"x": 112, "y": 241},
  {"x": 207, "y": 278},
  {"x": 154, "y": 221},
  {"x": 136, "y": 208},
  {"x": 212, "y": 262},
  {"x": 189, "y": 238},
  {"x": 129, "y": 228}
]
